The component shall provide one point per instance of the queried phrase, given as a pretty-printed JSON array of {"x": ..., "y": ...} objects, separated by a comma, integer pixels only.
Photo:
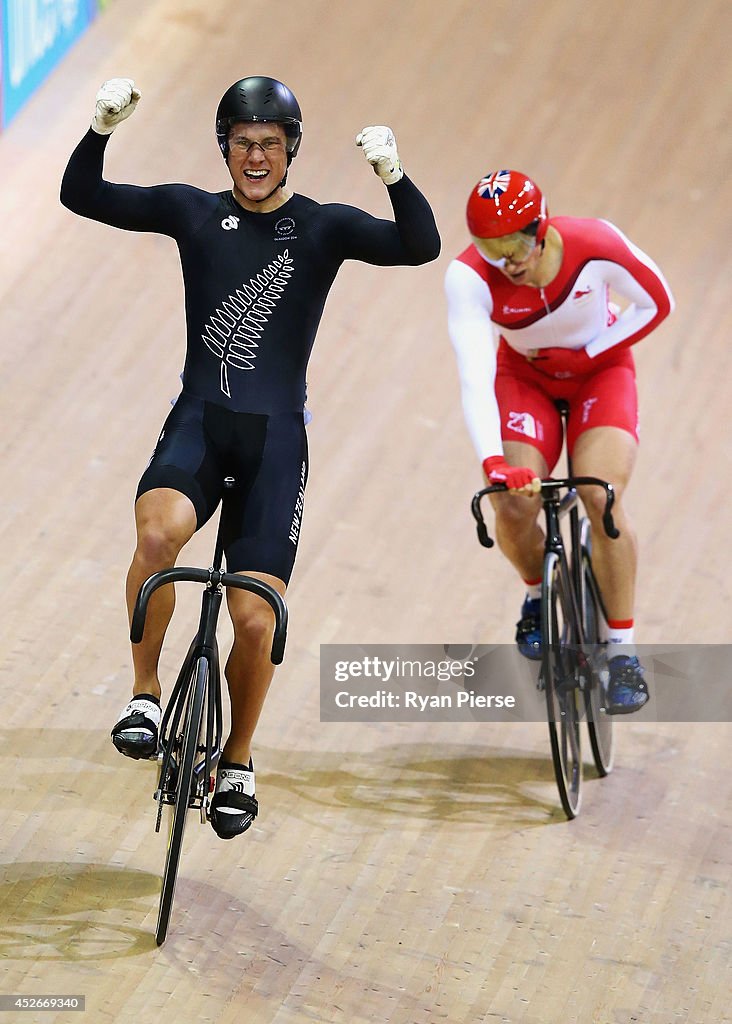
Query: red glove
[
  {"x": 515, "y": 478},
  {"x": 562, "y": 363}
]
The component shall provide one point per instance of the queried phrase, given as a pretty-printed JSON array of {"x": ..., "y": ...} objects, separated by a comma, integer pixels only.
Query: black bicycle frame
[
  {"x": 555, "y": 508},
  {"x": 205, "y": 645}
]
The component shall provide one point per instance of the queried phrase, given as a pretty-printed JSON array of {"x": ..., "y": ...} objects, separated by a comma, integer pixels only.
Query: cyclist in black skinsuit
[{"x": 258, "y": 262}]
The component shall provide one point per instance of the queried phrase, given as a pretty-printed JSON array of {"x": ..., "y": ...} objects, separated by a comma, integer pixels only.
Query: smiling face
[{"x": 257, "y": 162}]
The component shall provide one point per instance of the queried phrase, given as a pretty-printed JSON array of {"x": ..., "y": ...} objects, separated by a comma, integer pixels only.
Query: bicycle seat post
[
  {"x": 574, "y": 517},
  {"x": 229, "y": 483},
  {"x": 563, "y": 410}
]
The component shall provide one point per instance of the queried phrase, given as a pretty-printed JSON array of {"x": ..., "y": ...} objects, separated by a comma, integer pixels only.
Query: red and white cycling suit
[{"x": 511, "y": 397}]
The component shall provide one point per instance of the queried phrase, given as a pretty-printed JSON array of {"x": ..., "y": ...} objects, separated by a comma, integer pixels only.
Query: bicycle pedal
[{"x": 566, "y": 686}]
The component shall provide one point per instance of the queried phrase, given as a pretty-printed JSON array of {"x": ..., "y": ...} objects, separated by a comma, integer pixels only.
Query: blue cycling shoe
[
  {"x": 627, "y": 690},
  {"x": 528, "y": 629}
]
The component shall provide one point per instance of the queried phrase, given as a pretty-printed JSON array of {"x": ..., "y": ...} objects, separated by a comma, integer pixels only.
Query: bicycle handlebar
[
  {"x": 216, "y": 578},
  {"x": 547, "y": 486}
]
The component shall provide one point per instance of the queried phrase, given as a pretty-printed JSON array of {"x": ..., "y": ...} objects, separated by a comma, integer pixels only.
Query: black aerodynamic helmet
[{"x": 259, "y": 99}]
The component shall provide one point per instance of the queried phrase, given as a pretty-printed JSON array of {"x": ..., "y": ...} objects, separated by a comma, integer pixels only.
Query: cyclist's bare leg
[
  {"x": 249, "y": 669},
  {"x": 610, "y": 453},
  {"x": 165, "y": 521},
  {"x": 518, "y": 533}
]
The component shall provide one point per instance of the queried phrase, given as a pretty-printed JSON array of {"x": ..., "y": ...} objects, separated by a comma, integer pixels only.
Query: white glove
[
  {"x": 116, "y": 100},
  {"x": 379, "y": 148}
]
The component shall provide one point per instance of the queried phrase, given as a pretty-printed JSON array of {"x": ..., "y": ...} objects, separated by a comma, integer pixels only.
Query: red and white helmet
[{"x": 504, "y": 202}]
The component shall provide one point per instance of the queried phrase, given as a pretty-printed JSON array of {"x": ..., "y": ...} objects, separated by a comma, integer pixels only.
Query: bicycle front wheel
[
  {"x": 559, "y": 673},
  {"x": 599, "y": 723},
  {"x": 189, "y": 741}
]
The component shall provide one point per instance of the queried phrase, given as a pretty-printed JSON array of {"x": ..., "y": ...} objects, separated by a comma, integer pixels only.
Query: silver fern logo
[{"x": 233, "y": 332}]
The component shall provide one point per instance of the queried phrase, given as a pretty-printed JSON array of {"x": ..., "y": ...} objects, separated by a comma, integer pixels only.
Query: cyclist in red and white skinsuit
[{"x": 542, "y": 286}]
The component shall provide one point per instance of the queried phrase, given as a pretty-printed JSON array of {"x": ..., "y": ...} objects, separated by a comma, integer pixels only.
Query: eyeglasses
[
  {"x": 515, "y": 248},
  {"x": 268, "y": 145}
]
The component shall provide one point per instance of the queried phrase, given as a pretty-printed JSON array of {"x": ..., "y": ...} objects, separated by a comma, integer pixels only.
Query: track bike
[
  {"x": 190, "y": 732},
  {"x": 573, "y": 672}
]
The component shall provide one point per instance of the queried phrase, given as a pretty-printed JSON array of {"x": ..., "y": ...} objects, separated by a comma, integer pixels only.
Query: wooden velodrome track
[{"x": 406, "y": 873}]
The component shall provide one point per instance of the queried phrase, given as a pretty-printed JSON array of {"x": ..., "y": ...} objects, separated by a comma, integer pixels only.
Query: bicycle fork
[{"x": 204, "y": 647}]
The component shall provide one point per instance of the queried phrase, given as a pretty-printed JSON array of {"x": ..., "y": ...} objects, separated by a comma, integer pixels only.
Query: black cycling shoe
[
  {"x": 627, "y": 690},
  {"x": 136, "y": 732},
  {"x": 528, "y": 629},
  {"x": 232, "y": 809}
]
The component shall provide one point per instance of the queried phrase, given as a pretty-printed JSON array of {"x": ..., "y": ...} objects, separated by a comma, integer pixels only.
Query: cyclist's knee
[
  {"x": 593, "y": 500},
  {"x": 165, "y": 522},
  {"x": 514, "y": 512},
  {"x": 253, "y": 621},
  {"x": 159, "y": 541}
]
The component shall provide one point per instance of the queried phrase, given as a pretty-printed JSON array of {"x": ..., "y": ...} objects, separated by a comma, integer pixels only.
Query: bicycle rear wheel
[
  {"x": 189, "y": 742},
  {"x": 599, "y": 723},
  {"x": 559, "y": 674}
]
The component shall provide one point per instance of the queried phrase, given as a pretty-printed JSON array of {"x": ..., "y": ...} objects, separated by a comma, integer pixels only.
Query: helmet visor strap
[{"x": 269, "y": 195}]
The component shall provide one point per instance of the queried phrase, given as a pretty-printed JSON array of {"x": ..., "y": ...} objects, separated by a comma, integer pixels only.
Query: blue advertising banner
[{"x": 35, "y": 36}]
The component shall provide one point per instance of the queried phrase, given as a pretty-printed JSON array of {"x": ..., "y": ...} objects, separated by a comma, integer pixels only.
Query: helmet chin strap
[{"x": 275, "y": 189}]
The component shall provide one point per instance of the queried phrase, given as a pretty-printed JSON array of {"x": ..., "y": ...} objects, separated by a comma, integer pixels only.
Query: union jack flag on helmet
[{"x": 494, "y": 184}]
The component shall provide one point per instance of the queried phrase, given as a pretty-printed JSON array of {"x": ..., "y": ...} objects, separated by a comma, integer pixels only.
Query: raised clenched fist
[
  {"x": 116, "y": 100},
  {"x": 380, "y": 149}
]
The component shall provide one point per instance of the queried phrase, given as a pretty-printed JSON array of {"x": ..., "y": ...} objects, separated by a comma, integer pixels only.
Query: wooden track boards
[{"x": 411, "y": 874}]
